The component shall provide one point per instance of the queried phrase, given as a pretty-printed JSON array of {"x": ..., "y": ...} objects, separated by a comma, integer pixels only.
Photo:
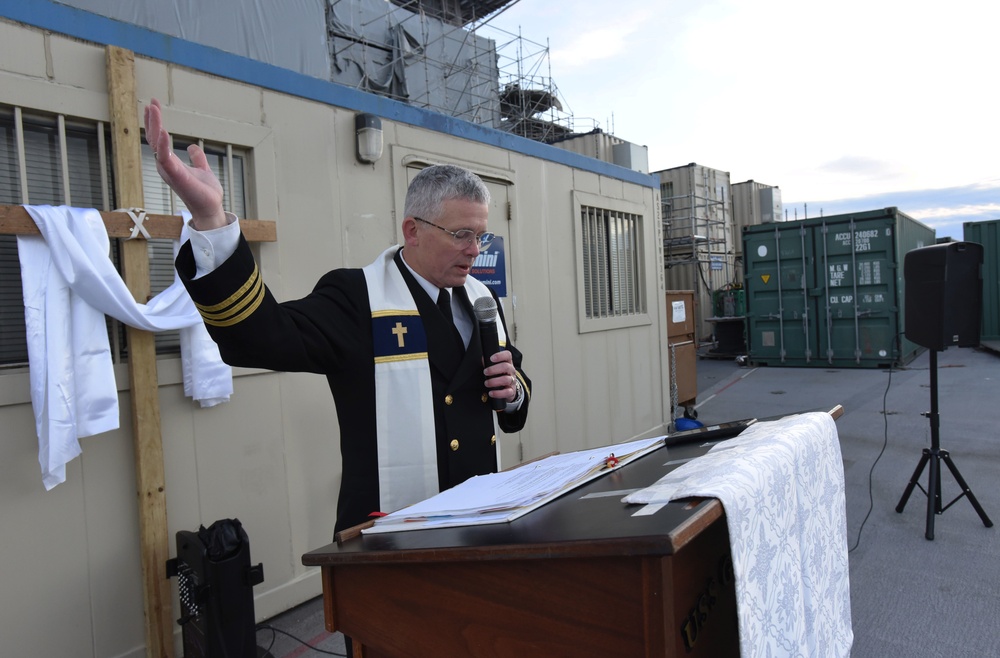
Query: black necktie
[{"x": 444, "y": 303}]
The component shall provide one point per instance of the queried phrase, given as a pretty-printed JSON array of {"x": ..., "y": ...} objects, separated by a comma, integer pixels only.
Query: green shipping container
[
  {"x": 988, "y": 235},
  {"x": 829, "y": 291}
]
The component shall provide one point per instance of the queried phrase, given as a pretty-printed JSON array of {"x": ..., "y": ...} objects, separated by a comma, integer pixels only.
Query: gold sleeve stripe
[
  {"x": 251, "y": 306},
  {"x": 239, "y": 312},
  {"x": 252, "y": 282}
]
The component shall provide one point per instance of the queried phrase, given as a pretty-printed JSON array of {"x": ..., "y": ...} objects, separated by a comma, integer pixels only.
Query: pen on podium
[{"x": 355, "y": 531}]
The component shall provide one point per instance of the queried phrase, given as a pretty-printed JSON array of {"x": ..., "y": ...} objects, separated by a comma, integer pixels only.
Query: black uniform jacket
[{"x": 330, "y": 332}]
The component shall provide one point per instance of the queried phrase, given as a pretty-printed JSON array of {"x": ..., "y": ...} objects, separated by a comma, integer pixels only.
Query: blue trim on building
[{"x": 91, "y": 27}]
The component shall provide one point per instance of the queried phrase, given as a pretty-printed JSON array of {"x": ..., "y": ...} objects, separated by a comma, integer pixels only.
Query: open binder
[{"x": 507, "y": 495}]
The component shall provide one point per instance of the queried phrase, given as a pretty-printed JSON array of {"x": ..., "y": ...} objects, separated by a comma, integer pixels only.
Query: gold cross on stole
[{"x": 399, "y": 330}]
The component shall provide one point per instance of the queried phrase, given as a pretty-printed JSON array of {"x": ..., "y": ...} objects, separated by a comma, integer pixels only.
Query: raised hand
[{"x": 196, "y": 185}]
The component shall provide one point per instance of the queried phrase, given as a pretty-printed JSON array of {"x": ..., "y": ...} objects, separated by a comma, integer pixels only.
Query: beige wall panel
[
  {"x": 626, "y": 394},
  {"x": 15, "y": 390},
  {"x": 44, "y": 549},
  {"x": 532, "y": 265},
  {"x": 228, "y": 461},
  {"x": 112, "y": 517},
  {"x": 612, "y": 187},
  {"x": 39, "y": 95},
  {"x": 628, "y": 405},
  {"x": 22, "y": 51},
  {"x": 180, "y": 421},
  {"x": 586, "y": 181},
  {"x": 187, "y": 121},
  {"x": 636, "y": 194},
  {"x": 312, "y": 463},
  {"x": 78, "y": 64},
  {"x": 240, "y": 471},
  {"x": 363, "y": 203},
  {"x": 581, "y": 384},
  {"x": 636, "y": 359},
  {"x": 152, "y": 80},
  {"x": 448, "y": 148},
  {"x": 263, "y": 177},
  {"x": 309, "y": 227},
  {"x": 542, "y": 255},
  {"x": 214, "y": 96}
]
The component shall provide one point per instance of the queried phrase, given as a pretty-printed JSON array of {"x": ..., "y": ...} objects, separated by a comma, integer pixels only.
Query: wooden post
[{"x": 144, "y": 391}]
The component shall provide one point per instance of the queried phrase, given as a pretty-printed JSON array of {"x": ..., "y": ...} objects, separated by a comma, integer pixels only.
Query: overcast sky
[{"x": 845, "y": 106}]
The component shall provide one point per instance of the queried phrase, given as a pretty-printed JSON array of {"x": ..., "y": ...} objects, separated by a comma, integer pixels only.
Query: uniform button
[
  {"x": 493, "y": 440},
  {"x": 448, "y": 400},
  {"x": 208, "y": 253},
  {"x": 485, "y": 398},
  {"x": 454, "y": 444}
]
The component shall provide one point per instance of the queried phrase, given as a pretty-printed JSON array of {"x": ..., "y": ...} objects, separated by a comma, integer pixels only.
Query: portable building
[
  {"x": 829, "y": 291},
  {"x": 698, "y": 245},
  {"x": 599, "y": 144},
  {"x": 285, "y": 144},
  {"x": 753, "y": 203}
]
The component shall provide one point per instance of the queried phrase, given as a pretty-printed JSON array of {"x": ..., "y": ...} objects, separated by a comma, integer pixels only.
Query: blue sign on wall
[{"x": 490, "y": 268}]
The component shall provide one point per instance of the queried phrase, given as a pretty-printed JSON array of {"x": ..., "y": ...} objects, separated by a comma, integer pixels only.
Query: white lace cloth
[
  {"x": 69, "y": 284},
  {"x": 782, "y": 486}
]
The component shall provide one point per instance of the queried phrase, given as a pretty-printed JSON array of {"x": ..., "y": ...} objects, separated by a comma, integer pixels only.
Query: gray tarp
[{"x": 290, "y": 34}]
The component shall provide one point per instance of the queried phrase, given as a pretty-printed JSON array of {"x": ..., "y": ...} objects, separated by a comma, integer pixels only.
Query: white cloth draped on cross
[{"x": 69, "y": 285}]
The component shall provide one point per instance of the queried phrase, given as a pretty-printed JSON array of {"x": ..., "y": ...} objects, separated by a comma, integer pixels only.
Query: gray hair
[{"x": 434, "y": 185}]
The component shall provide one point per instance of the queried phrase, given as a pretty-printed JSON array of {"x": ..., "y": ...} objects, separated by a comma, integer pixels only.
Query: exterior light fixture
[{"x": 369, "y": 138}]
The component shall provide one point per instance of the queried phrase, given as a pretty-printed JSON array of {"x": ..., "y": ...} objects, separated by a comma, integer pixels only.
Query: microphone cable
[
  {"x": 885, "y": 442},
  {"x": 274, "y": 634}
]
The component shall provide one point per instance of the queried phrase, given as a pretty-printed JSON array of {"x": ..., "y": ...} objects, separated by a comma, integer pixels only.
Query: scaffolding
[
  {"x": 698, "y": 245},
  {"x": 448, "y": 57},
  {"x": 530, "y": 103}
]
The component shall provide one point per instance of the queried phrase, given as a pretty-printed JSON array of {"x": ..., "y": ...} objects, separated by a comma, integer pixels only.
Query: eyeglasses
[{"x": 465, "y": 236}]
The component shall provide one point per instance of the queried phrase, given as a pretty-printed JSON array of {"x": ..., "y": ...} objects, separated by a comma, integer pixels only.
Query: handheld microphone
[{"x": 486, "y": 316}]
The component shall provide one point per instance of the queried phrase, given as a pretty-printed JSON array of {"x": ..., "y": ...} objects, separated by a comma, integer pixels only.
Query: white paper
[
  {"x": 679, "y": 313},
  {"x": 505, "y": 495}
]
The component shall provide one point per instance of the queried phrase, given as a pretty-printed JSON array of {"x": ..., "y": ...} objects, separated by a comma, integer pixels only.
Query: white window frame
[{"x": 612, "y": 284}]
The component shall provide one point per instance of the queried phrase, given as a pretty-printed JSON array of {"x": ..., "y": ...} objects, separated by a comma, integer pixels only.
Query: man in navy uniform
[{"x": 412, "y": 392}]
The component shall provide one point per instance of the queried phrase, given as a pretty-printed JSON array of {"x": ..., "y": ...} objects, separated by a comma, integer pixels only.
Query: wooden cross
[{"x": 147, "y": 439}]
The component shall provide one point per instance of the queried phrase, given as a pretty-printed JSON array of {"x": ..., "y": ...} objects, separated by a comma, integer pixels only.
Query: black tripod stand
[{"x": 934, "y": 455}]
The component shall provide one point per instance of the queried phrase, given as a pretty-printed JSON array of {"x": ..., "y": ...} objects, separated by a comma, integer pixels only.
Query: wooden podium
[{"x": 585, "y": 575}]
